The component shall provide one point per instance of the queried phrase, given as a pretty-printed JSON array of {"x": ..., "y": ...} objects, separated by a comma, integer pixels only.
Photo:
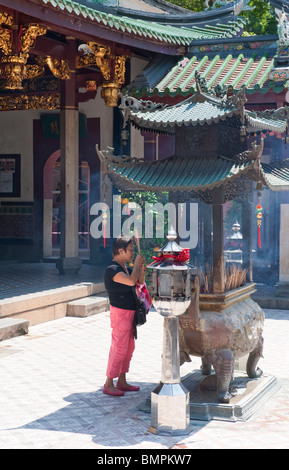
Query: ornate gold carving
[
  {"x": 36, "y": 70},
  {"x": 28, "y": 36},
  {"x": 6, "y": 19},
  {"x": 25, "y": 102},
  {"x": 110, "y": 93},
  {"x": 33, "y": 71},
  {"x": 119, "y": 71},
  {"x": 59, "y": 68},
  {"x": 98, "y": 49},
  {"x": 91, "y": 85},
  {"x": 5, "y": 41},
  {"x": 13, "y": 65},
  {"x": 112, "y": 69},
  {"x": 98, "y": 56},
  {"x": 13, "y": 69}
]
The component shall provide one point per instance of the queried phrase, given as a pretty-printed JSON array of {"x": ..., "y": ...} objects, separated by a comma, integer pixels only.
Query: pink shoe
[
  {"x": 115, "y": 393},
  {"x": 128, "y": 388}
]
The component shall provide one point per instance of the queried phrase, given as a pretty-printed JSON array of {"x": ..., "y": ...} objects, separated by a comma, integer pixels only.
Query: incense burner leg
[
  {"x": 252, "y": 370},
  {"x": 206, "y": 367},
  {"x": 223, "y": 364}
]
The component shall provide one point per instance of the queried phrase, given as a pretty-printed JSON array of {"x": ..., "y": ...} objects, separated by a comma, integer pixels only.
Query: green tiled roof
[
  {"x": 277, "y": 175},
  {"x": 195, "y": 173},
  {"x": 176, "y": 174},
  {"x": 267, "y": 121},
  {"x": 242, "y": 71},
  {"x": 187, "y": 113},
  {"x": 147, "y": 30},
  {"x": 203, "y": 107}
]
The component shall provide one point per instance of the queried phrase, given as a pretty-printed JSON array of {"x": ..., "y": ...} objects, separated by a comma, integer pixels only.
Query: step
[
  {"x": 47, "y": 304},
  {"x": 275, "y": 302},
  {"x": 87, "y": 306},
  {"x": 9, "y": 327}
]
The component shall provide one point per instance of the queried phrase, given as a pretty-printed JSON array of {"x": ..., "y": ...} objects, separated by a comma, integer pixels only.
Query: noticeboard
[{"x": 9, "y": 175}]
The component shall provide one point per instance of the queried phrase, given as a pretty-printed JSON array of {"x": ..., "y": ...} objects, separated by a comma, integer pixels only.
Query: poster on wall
[{"x": 9, "y": 175}]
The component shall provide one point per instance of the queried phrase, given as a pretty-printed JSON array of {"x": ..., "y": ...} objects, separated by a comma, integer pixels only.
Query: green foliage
[
  {"x": 148, "y": 246},
  {"x": 260, "y": 20},
  {"x": 194, "y": 5}
]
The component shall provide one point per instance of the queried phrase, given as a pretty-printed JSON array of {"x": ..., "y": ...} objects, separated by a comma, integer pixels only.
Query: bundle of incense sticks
[{"x": 137, "y": 242}]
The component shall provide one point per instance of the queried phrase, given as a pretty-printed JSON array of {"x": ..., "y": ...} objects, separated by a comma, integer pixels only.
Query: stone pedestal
[
  {"x": 170, "y": 409},
  {"x": 249, "y": 397},
  {"x": 68, "y": 265}
]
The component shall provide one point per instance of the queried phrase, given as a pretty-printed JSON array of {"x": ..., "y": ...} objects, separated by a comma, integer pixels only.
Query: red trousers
[{"x": 122, "y": 341}]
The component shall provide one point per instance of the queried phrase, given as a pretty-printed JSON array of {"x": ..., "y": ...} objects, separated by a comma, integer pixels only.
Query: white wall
[{"x": 96, "y": 108}]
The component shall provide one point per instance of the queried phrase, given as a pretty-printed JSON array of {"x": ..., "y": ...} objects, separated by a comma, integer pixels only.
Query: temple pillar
[
  {"x": 150, "y": 146},
  {"x": 218, "y": 244},
  {"x": 69, "y": 261},
  {"x": 247, "y": 239},
  {"x": 207, "y": 230},
  {"x": 283, "y": 286}
]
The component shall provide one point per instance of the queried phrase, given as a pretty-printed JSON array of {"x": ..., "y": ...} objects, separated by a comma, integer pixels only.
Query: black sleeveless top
[{"x": 120, "y": 295}]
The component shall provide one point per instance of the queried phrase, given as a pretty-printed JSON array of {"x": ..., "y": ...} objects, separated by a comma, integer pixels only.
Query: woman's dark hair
[{"x": 121, "y": 243}]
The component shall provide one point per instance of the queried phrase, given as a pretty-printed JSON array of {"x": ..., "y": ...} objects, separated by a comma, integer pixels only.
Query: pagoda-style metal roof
[
  {"x": 197, "y": 174},
  {"x": 199, "y": 171},
  {"x": 204, "y": 107},
  {"x": 269, "y": 120},
  {"x": 199, "y": 109},
  {"x": 276, "y": 175},
  {"x": 173, "y": 173}
]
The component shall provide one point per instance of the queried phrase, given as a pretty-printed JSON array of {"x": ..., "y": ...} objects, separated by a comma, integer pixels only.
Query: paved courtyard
[{"x": 51, "y": 396}]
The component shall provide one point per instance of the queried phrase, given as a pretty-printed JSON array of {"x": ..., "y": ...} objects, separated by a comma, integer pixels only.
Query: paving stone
[{"x": 52, "y": 378}]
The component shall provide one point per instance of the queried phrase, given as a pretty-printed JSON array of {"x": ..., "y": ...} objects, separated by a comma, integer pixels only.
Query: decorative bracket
[
  {"x": 112, "y": 68},
  {"x": 13, "y": 64},
  {"x": 59, "y": 68}
]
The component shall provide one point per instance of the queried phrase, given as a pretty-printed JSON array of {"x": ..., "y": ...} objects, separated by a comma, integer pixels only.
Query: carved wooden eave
[
  {"x": 121, "y": 32},
  {"x": 23, "y": 102},
  {"x": 164, "y": 32},
  {"x": 17, "y": 65}
]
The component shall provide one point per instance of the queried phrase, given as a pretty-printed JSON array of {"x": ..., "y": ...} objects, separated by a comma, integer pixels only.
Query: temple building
[{"x": 63, "y": 65}]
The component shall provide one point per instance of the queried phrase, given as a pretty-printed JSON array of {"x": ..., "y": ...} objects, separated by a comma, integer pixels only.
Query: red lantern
[{"x": 259, "y": 210}]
